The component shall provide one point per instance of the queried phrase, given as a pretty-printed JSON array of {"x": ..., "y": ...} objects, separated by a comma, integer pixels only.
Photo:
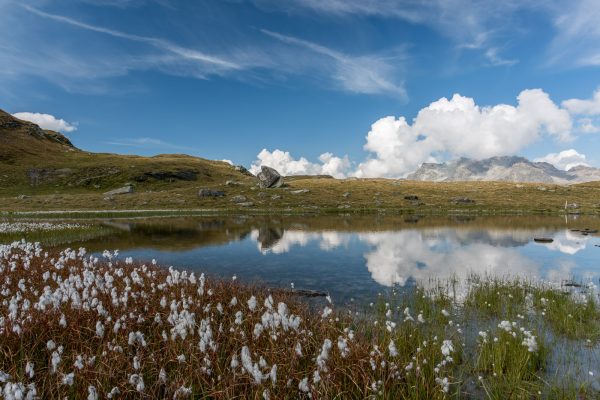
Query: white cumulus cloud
[
  {"x": 564, "y": 160},
  {"x": 47, "y": 121},
  {"x": 459, "y": 127},
  {"x": 444, "y": 129},
  {"x": 285, "y": 164}
]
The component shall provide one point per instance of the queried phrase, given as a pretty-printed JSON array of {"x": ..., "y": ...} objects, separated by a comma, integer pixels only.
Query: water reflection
[{"x": 355, "y": 257}]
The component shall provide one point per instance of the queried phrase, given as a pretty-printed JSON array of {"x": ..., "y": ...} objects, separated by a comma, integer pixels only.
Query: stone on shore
[
  {"x": 210, "y": 193},
  {"x": 122, "y": 190}
]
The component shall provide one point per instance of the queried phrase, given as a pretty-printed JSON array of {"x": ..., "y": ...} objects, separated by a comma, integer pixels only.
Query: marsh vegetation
[{"x": 80, "y": 326}]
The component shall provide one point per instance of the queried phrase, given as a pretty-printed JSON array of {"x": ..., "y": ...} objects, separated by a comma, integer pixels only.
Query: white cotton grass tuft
[
  {"x": 392, "y": 349},
  {"x": 447, "y": 348},
  {"x": 252, "y": 303}
]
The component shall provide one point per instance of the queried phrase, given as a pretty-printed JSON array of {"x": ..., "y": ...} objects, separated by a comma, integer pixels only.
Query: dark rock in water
[
  {"x": 210, "y": 193},
  {"x": 239, "y": 199},
  {"x": 308, "y": 293},
  {"x": 543, "y": 240},
  {"x": 122, "y": 190},
  {"x": 269, "y": 178},
  {"x": 572, "y": 284},
  {"x": 462, "y": 200},
  {"x": 411, "y": 197},
  {"x": 181, "y": 175}
]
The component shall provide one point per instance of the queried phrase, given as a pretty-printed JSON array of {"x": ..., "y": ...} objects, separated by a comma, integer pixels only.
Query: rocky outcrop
[
  {"x": 269, "y": 178},
  {"x": 8, "y": 122},
  {"x": 510, "y": 169},
  {"x": 181, "y": 175}
]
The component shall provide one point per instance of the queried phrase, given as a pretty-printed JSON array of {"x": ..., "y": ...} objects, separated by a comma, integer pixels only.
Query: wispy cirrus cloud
[
  {"x": 368, "y": 74},
  {"x": 266, "y": 57},
  {"x": 470, "y": 24},
  {"x": 216, "y": 62},
  {"x": 577, "y": 41}
]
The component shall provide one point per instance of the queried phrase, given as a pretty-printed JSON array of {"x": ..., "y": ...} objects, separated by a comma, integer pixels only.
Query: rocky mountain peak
[{"x": 502, "y": 168}]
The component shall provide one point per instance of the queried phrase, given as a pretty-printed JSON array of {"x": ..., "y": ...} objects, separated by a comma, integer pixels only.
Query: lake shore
[{"x": 315, "y": 196}]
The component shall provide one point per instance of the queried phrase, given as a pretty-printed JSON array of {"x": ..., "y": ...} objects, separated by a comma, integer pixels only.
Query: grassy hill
[
  {"x": 37, "y": 162},
  {"x": 42, "y": 170}
]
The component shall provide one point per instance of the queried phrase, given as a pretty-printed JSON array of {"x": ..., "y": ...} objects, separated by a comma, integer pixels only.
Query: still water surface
[{"x": 357, "y": 257}]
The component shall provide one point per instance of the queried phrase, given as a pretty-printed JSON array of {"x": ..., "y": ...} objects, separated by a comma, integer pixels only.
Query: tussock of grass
[
  {"x": 573, "y": 317},
  {"x": 497, "y": 297}
]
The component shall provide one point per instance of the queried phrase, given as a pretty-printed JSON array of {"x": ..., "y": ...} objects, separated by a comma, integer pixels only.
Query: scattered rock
[
  {"x": 462, "y": 200},
  {"x": 411, "y": 197},
  {"x": 243, "y": 170},
  {"x": 232, "y": 183},
  {"x": 210, "y": 193},
  {"x": 572, "y": 206},
  {"x": 269, "y": 178},
  {"x": 300, "y": 191},
  {"x": 262, "y": 195},
  {"x": 108, "y": 198},
  {"x": 122, "y": 190},
  {"x": 245, "y": 204},
  {"x": 275, "y": 197},
  {"x": 346, "y": 195},
  {"x": 22, "y": 197},
  {"x": 239, "y": 198},
  {"x": 542, "y": 188},
  {"x": 346, "y": 205}
]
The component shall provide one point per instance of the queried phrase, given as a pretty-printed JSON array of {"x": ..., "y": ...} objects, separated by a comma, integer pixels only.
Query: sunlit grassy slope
[{"x": 41, "y": 170}]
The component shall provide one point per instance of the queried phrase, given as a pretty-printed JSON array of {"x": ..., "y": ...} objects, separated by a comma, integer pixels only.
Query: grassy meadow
[{"x": 319, "y": 195}]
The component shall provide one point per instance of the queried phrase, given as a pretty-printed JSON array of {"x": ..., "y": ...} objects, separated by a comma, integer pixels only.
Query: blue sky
[{"x": 306, "y": 85}]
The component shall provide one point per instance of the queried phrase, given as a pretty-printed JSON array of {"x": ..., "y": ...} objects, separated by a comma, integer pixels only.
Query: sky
[{"x": 342, "y": 87}]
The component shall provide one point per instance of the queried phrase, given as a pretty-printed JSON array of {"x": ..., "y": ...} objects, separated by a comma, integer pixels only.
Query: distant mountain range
[{"x": 507, "y": 168}]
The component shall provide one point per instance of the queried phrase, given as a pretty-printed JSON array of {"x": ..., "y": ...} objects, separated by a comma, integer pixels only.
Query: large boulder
[{"x": 269, "y": 178}]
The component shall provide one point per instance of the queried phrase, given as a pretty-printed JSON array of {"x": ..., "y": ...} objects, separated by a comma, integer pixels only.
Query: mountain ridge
[{"x": 503, "y": 169}]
